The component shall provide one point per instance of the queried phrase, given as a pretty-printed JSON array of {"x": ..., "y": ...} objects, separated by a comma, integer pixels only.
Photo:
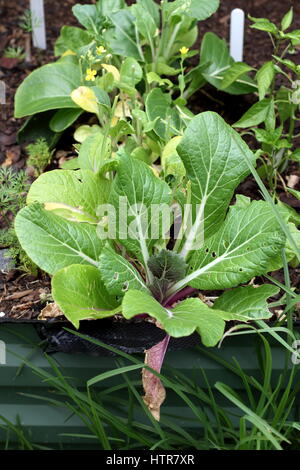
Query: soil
[{"x": 19, "y": 293}]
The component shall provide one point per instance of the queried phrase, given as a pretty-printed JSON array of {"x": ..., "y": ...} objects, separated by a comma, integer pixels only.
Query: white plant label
[
  {"x": 38, "y": 23},
  {"x": 237, "y": 26}
]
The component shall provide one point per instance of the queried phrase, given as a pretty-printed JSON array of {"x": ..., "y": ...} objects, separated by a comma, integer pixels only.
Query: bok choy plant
[{"x": 117, "y": 238}]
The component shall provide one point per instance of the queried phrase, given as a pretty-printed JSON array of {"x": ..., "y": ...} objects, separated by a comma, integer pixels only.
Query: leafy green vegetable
[
  {"x": 212, "y": 152},
  {"x": 53, "y": 242},
  {"x": 79, "y": 291},
  {"x": 249, "y": 301},
  {"x": 39, "y": 93}
]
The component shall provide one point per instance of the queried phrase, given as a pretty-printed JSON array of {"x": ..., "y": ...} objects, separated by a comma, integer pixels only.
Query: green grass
[{"x": 115, "y": 417}]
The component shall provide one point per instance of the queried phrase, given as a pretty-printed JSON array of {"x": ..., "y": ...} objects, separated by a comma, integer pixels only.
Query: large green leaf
[
  {"x": 80, "y": 191},
  {"x": 215, "y": 159},
  {"x": 152, "y": 8},
  {"x": 48, "y": 87},
  {"x": 122, "y": 38},
  {"x": 249, "y": 238},
  {"x": 215, "y": 52},
  {"x": 118, "y": 274},
  {"x": 141, "y": 190},
  {"x": 80, "y": 293},
  {"x": 249, "y": 302},
  {"x": 144, "y": 21},
  {"x": 88, "y": 16},
  {"x": 183, "y": 320},
  {"x": 201, "y": 9},
  {"x": 53, "y": 242},
  {"x": 197, "y": 9}
]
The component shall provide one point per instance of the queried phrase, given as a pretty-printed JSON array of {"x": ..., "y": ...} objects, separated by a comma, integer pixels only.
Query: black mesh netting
[{"x": 129, "y": 337}]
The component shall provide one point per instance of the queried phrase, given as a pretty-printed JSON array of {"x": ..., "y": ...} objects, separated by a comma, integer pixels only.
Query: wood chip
[{"x": 19, "y": 295}]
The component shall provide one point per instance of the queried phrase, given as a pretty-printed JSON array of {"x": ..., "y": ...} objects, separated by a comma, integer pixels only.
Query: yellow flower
[
  {"x": 100, "y": 50},
  {"x": 85, "y": 98},
  {"x": 184, "y": 50},
  {"x": 90, "y": 74}
]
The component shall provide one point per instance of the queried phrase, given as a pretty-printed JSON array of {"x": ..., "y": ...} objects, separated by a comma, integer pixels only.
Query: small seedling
[
  {"x": 14, "y": 53},
  {"x": 39, "y": 156}
]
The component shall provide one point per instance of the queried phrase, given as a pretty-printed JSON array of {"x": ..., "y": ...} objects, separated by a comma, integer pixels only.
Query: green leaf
[
  {"x": 233, "y": 73},
  {"x": 165, "y": 69},
  {"x": 242, "y": 201},
  {"x": 107, "y": 7},
  {"x": 137, "y": 188},
  {"x": 287, "y": 20},
  {"x": 94, "y": 152},
  {"x": 145, "y": 22},
  {"x": 122, "y": 38},
  {"x": 131, "y": 72},
  {"x": 154, "y": 77},
  {"x": 71, "y": 38},
  {"x": 215, "y": 159},
  {"x": 48, "y": 87},
  {"x": 170, "y": 160},
  {"x": 249, "y": 302},
  {"x": 152, "y": 8},
  {"x": 294, "y": 36},
  {"x": 197, "y": 9},
  {"x": 167, "y": 265},
  {"x": 121, "y": 128},
  {"x": 294, "y": 193},
  {"x": 183, "y": 320},
  {"x": 80, "y": 293},
  {"x": 283, "y": 103},
  {"x": 263, "y": 24},
  {"x": 295, "y": 156},
  {"x": 118, "y": 274},
  {"x": 88, "y": 16},
  {"x": 201, "y": 9},
  {"x": 249, "y": 238},
  {"x": 71, "y": 164},
  {"x": 102, "y": 97},
  {"x": 81, "y": 191},
  {"x": 215, "y": 53},
  {"x": 53, "y": 242},
  {"x": 256, "y": 114},
  {"x": 289, "y": 213},
  {"x": 265, "y": 76},
  {"x": 64, "y": 118},
  {"x": 84, "y": 131},
  {"x": 158, "y": 109}
]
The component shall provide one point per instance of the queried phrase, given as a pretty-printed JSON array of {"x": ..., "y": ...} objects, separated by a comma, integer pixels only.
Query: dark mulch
[{"x": 20, "y": 294}]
